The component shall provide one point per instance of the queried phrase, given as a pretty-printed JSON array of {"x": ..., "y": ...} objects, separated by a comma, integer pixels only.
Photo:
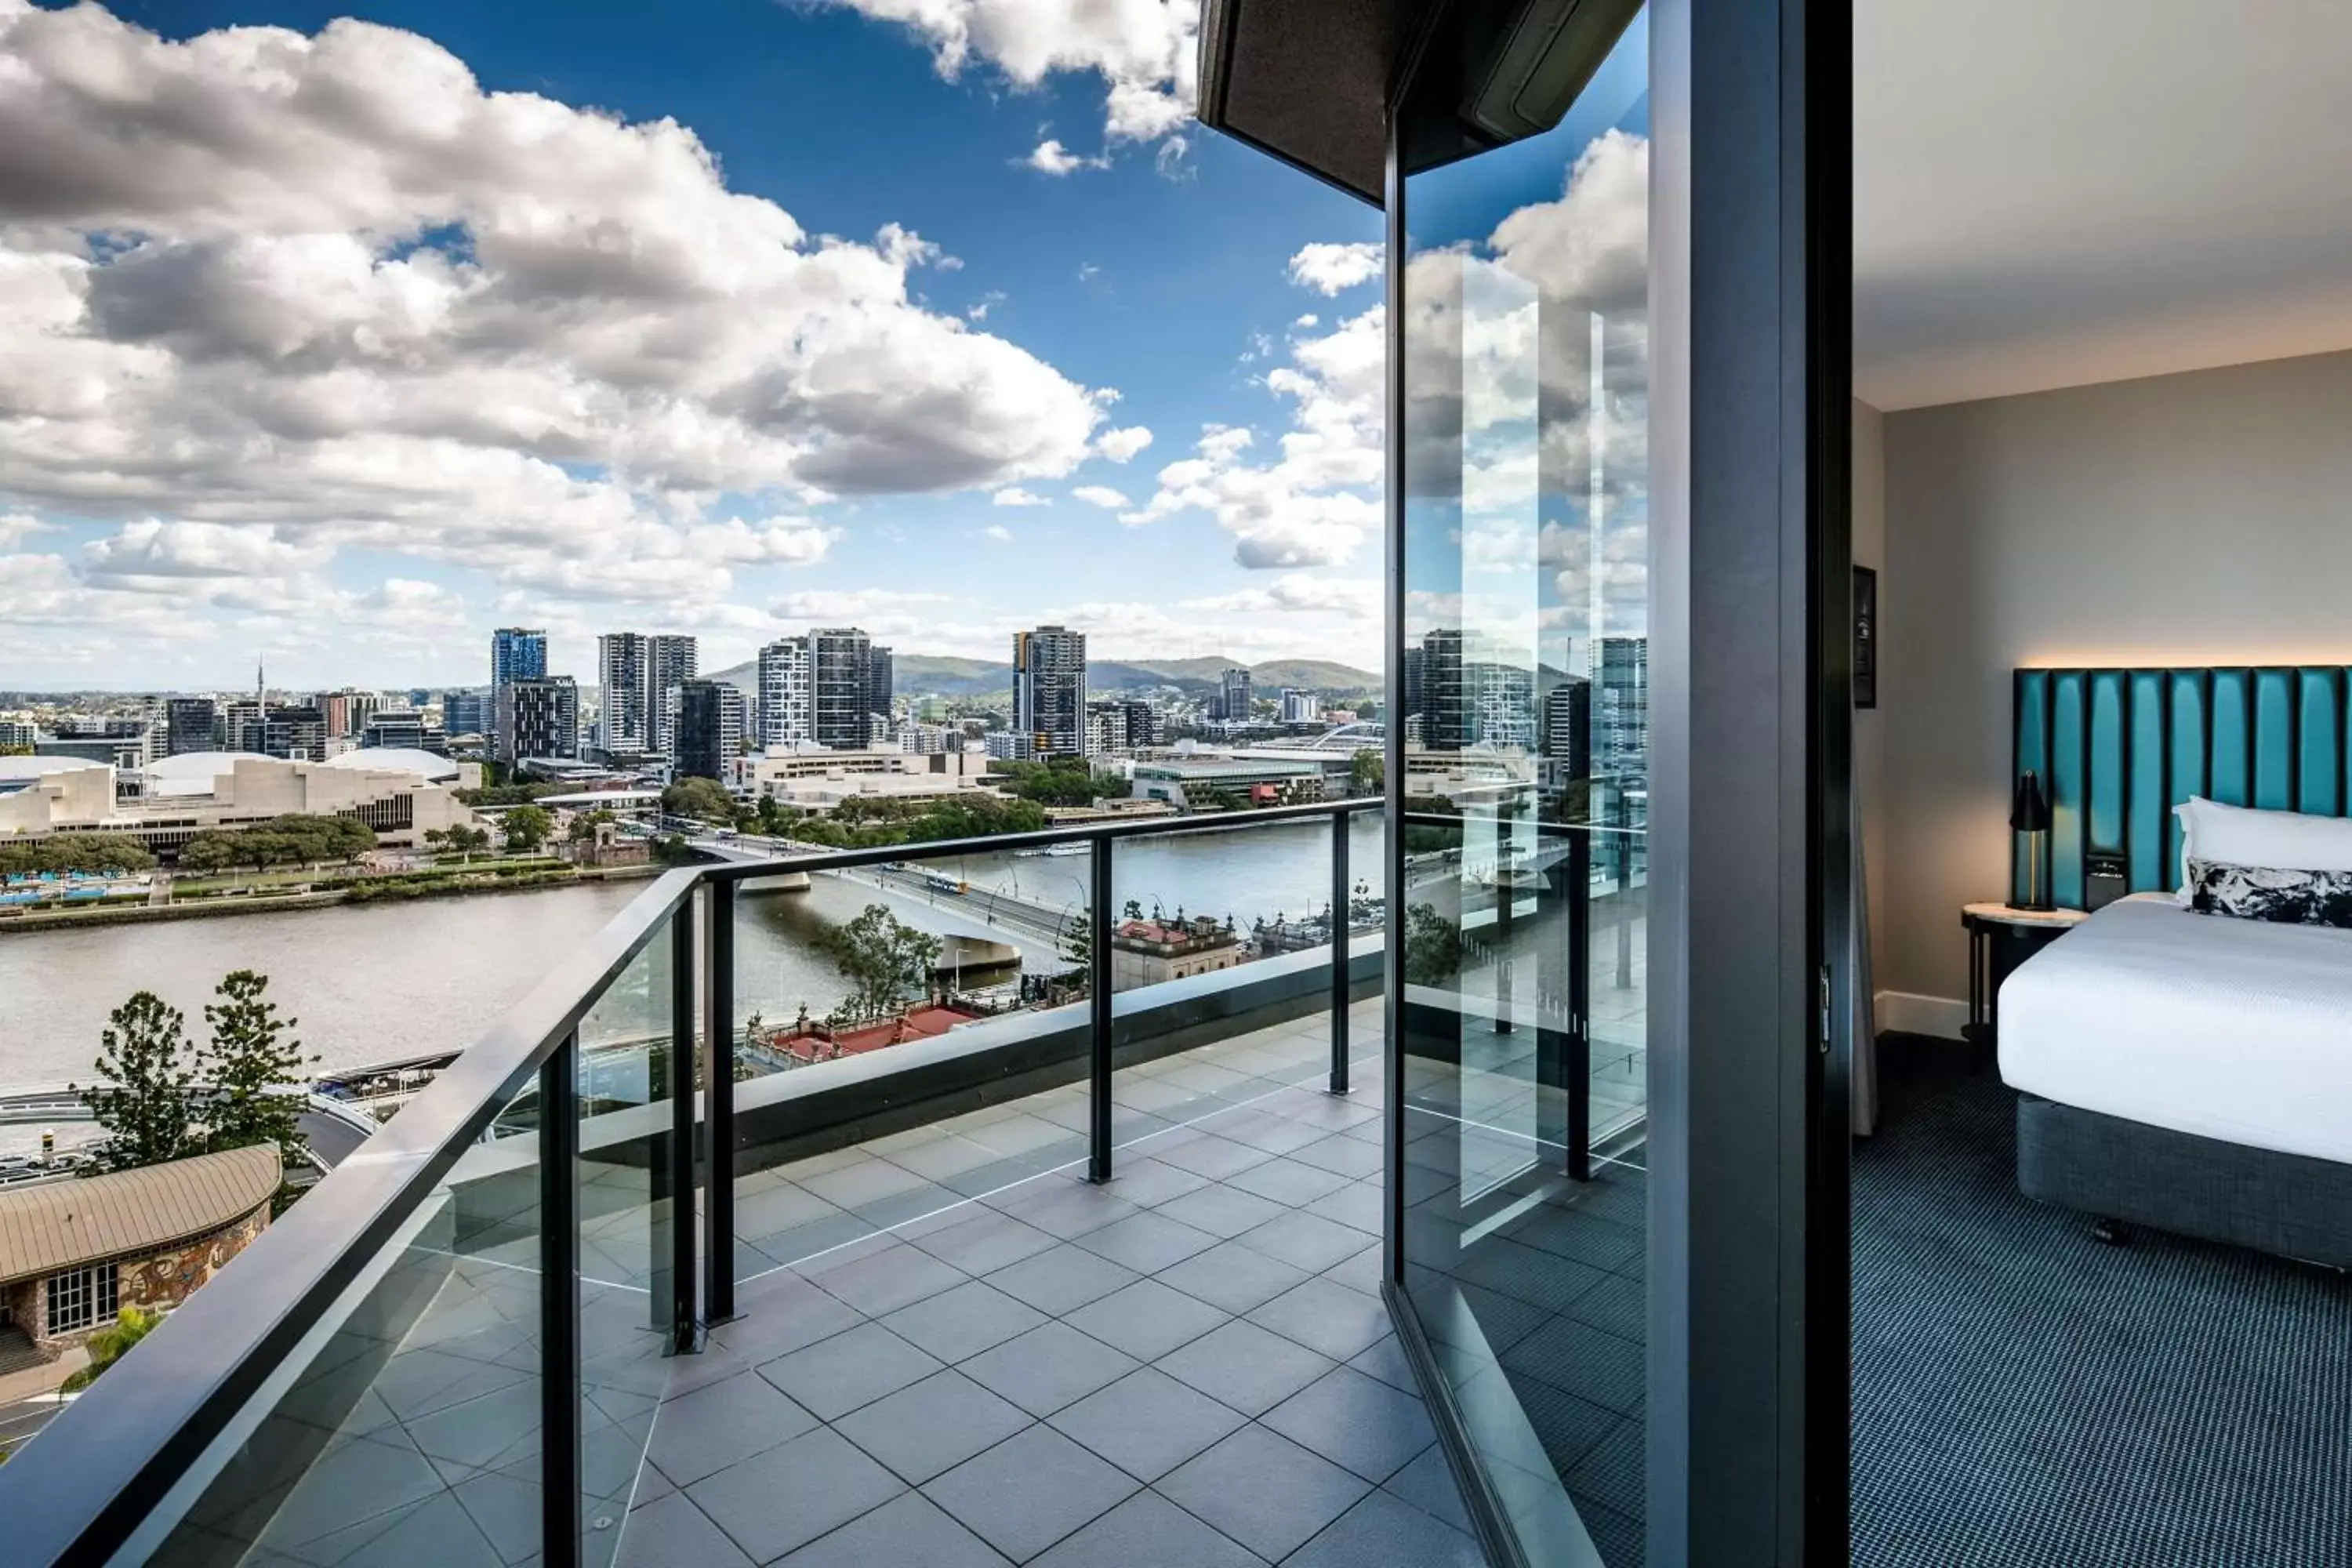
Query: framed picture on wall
[{"x": 1865, "y": 637}]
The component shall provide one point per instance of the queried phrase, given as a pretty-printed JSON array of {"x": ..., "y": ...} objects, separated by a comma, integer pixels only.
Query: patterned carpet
[{"x": 2023, "y": 1396}]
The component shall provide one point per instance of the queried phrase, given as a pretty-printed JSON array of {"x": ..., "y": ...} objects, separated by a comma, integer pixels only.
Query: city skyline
[{"x": 1013, "y": 309}]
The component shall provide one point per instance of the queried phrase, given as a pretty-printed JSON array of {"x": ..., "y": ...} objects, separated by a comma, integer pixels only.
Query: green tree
[
  {"x": 1366, "y": 771},
  {"x": 585, "y": 825},
  {"x": 1432, "y": 945},
  {"x": 769, "y": 818},
  {"x": 146, "y": 1097},
  {"x": 70, "y": 852},
  {"x": 527, "y": 826},
  {"x": 249, "y": 1060},
  {"x": 111, "y": 1344},
  {"x": 886, "y": 961},
  {"x": 1077, "y": 939},
  {"x": 704, "y": 799}
]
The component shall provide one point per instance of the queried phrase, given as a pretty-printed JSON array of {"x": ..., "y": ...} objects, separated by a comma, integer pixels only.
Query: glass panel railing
[
  {"x": 927, "y": 974},
  {"x": 626, "y": 1202},
  {"x": 409, "y": 1427},
  {"x": 911, "y": 1034}
]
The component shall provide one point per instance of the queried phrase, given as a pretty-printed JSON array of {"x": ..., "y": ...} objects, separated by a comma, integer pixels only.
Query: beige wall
[
  {"x": 1869, "y": 460},
  {"x": 2179, "y": 519}
]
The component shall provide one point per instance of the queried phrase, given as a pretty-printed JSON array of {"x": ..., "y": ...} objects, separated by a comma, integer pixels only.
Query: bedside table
[{"x": 2001, "y": 937}]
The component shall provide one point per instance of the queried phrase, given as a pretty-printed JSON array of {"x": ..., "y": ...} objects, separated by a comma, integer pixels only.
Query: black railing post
[
  {"x": 1340, "y": 924},
  {"x": 559, "y": 1305},
  {"x": 718, "y": 1107},
  {"x": 684, "y": 1332},
  {"x": 1098, "y": 994}
]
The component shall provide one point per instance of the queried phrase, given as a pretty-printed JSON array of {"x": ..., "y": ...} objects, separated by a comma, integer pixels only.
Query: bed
[{"x": 2186, "y": 1071}]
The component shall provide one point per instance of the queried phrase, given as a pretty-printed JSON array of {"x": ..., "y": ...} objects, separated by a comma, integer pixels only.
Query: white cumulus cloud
[
  {"x": 1050, "y": 157},
  {"x": 1329, "y": 268},
  {"x": 1120, "y": 445},
  {"x": 1144, "y": 51},
  {"x": 1102, "y": 496},
  {"x": 267, "y": 295}
]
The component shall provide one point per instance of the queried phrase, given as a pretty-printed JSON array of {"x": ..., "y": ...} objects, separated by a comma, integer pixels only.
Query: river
[{"x": 374, "y": 982}]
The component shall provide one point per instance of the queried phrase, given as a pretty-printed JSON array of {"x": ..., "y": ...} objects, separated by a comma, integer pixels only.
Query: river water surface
[{"x": 375, "y": 981}]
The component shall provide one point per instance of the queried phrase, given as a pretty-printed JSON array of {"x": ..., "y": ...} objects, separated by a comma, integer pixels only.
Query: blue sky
[{"x": 341, "y": 359}]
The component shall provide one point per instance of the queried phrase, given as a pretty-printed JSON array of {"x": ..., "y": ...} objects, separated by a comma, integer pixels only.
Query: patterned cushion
[{"x": 2270, "y": 893}]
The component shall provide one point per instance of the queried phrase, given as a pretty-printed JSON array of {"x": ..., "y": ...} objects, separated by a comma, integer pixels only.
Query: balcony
[{"x": 1099, "y": 1282}]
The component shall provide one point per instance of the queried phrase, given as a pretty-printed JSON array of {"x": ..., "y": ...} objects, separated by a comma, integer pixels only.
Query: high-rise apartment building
[
  {"x": 243, "y": 726},
  {"x": 189, "y": 724},
  {"x": 1620, "y": 706},
  {"x": 786, "y": 714},
  {"x": 670, "y": 662},
  {"x": 538, "y": 717},
  {"x": 711, "y": 720},
  {"x": 1234, "y": 696},
  {"x": 881, "y": 681},
  {"x": 841, "y": 688},
  {"x": 1565, "y": 732},
  {"x": 296, "y": 733},
  {"x": 1121, "y": 725},
  {"x": 1300, "y": 707},
  {"x": 1049, "y": 690},
  {"x": 1443, "y": 706},
  {"x": 517, "y": 653},
  {"x": 623, "y": 671}
]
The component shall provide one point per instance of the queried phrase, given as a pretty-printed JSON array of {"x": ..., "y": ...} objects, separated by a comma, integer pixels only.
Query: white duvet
[{"x": 2231, "y": 1029}]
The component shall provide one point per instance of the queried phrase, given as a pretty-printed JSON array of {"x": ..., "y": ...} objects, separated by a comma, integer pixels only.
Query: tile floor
[{"x": 954, "y": 1350}]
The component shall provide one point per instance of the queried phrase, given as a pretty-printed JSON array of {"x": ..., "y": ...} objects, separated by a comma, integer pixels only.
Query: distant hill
[{"x": 922, "y": 674}]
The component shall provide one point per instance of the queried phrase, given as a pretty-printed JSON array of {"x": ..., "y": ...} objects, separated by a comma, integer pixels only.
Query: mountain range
[{"x": 926, "y": 675}]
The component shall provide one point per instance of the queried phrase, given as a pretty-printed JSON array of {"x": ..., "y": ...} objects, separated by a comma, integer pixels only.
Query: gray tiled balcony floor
[{"x": 953, "y": 1350}]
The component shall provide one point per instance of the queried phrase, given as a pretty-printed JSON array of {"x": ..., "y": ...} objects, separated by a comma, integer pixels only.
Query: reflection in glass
[{"x": 1524, "y": 335}]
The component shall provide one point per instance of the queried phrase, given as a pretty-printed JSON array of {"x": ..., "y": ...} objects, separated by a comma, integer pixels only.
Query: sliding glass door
[{"x": 1524, "y": 335}]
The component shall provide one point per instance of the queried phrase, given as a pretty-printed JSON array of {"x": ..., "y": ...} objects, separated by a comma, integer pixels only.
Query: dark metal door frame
[{"x": 1750, "y": 744}]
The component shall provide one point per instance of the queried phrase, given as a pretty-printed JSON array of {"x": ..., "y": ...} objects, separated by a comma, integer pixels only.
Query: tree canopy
[
  {"x": 62, "y": 852},
  {"x": 1061, "y": 781},
  {"x": 704, "y": 799},
  {"x": 162, "y": 1096},
  {"x": 527, "y": 826},
  {"x": 249, "y": 1061},
  {"x": 145, "y": 1098},
  {"x": 291, "y": 840},
  {"x": 886, "y": 961}
]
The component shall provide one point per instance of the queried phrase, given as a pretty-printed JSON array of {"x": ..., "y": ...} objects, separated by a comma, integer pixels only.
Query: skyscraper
[
  {"x": 1621, "y": 707},
  {"x": 623, "y": 669},
  {"x": 189, "y": 724},
  {"x": 539, "y": 717},
  {"x": 1049, "y": 690},
  {"x": 518, "y": 653},
  {"x": 670, "y": 662},
  {"x": 1444, "y": 705},
  {"x": 880, "y": 678},
  {"x": 841, "y": 686},
  {"x": 1234, "y": 696},
  {"x": 786, "y": 715},
  {"x": 711, "y": 719}
]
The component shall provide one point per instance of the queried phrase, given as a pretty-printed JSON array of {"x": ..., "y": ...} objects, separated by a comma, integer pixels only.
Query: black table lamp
[{"x": 2028, "y": 815}]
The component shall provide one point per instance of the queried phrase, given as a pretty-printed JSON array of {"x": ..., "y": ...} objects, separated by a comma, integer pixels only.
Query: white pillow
[{"x": 2282, "y": 840}]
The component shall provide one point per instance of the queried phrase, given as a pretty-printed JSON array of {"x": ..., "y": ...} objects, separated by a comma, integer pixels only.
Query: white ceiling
[{"x": 2052, "y": 193}]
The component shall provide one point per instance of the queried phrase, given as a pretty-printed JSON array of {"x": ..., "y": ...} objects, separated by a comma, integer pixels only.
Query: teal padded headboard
[{"x": 2118, "y": 749}]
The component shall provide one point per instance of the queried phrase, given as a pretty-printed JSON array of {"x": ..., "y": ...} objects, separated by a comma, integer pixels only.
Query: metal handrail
[{"x": 85, "y": 1490}]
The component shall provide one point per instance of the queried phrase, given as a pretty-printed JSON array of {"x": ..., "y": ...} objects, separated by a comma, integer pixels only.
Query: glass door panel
[{"x": 1524, "y": 336}]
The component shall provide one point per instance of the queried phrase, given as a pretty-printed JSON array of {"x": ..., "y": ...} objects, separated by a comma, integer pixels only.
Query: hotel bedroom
[{"x": 2102, "y": 499}]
